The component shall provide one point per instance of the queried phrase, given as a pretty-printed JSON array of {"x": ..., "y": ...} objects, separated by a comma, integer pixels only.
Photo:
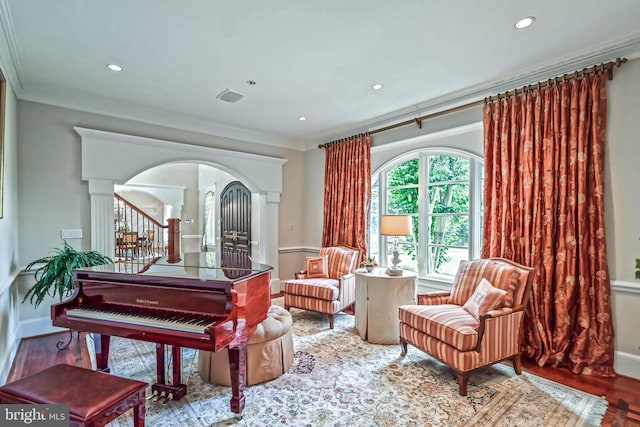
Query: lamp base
[{"x": 394, "y": 271}]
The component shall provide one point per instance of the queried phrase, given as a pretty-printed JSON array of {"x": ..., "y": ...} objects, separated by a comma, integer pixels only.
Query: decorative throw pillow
[
  {"x": 341, "y": 260},
  {"x": 317, "y": 267},
  {"x": 484, "y": 299},
  {"x": 499, "y": 274}
]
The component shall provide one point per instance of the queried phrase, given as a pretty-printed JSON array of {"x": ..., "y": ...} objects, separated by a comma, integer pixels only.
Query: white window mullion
[
  {"x": 423, "y": 218},
  {"x": 475, "y": 191},
  {"x": 382, "y": 209},
  {"x": 426, "y": 265}
]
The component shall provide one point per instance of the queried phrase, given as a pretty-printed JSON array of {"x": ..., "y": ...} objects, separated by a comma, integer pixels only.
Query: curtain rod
[
  {"x": 596, "y": 69},
  {"x": 418, "y": 121},
  {"x": 341, "y": 140}
]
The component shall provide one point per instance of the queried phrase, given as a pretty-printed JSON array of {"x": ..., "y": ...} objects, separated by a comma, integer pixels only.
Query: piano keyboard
[{"x": 178, "y": 322}]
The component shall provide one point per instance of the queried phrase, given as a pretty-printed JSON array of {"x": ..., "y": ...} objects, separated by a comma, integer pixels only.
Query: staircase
[{"x": 137, "y": 236}]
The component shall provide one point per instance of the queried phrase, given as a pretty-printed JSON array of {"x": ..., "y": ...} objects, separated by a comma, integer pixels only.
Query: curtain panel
[
  {"x": 347, "y": 193},
  {"x": 544, "y": 207}
]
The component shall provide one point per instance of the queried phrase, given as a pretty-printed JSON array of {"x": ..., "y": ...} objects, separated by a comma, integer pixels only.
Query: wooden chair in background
[{"x": 128, "y": 242}]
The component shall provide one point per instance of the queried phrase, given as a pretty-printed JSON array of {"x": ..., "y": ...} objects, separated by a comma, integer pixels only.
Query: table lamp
[{"x": 395, "y": 225}]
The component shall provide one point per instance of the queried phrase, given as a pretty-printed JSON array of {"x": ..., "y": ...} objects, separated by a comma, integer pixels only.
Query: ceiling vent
[{"x": 230, "y": 95}]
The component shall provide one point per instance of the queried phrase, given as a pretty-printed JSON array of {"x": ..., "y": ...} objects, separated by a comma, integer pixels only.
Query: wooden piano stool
[{"x": 94, "y": 398}]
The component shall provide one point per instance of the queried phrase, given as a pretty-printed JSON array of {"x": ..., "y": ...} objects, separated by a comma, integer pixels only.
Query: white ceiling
[{"x": 313, "y": 58}]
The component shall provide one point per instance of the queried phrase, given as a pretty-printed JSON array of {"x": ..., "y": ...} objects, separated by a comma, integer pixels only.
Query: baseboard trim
[
  {"x": 627, "y": 364},
  {"x": 37, "y": 326},
  {"x": 275, "y": 286},
  {"x": 8, "y": 362}
]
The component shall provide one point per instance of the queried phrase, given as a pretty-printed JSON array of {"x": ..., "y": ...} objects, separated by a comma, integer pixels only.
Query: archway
[{"x": 103, "y": 166}]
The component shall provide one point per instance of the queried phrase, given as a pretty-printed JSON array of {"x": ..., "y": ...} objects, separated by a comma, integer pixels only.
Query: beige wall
[
  {"x": 53, "y": 195},
  {"x": 44, "y": 170},
  {"x": 622, "y": 211},
  {"x": 623, "y": 171},
  {"x": 9, "y": 299},
  {"x": 622, "y": 202},
  {"x": 49, "y": 171}
]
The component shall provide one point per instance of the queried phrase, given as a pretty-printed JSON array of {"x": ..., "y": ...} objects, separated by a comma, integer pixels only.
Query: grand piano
[{"x": 205, "y": 301}]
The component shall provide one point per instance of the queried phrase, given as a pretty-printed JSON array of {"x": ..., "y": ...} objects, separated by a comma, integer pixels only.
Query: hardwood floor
[{"x": 622, "y": 393}]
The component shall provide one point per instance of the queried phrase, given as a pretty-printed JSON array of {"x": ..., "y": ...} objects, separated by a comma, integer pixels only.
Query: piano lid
[{"x": 227, "y": 266}]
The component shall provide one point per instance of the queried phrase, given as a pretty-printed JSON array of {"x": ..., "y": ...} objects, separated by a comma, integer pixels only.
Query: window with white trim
[{"x": 442, "y": 191}]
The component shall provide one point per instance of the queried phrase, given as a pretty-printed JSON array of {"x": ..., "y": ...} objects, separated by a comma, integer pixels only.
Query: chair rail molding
[
  {"x": 104, "y": 166},
  {"x": 625, "y": 286}
]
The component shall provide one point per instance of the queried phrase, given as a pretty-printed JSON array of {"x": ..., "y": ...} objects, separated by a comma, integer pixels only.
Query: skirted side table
[{"x": 378, "y": 297}]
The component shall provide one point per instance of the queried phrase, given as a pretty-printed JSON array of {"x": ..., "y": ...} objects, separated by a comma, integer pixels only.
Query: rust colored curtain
[
  {"x": 544, "y": 207},
  {"x": 347, "y": 193}
]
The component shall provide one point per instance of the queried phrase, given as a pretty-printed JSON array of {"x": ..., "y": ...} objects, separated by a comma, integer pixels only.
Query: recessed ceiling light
[
  {"x": 524, "y": 22},
  {"x": 302, "y": 118},
  {"x": 377, "y": 86},
  {"x": 114, "y": 67}
]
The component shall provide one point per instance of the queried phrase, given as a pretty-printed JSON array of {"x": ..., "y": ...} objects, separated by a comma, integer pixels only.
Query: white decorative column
[
  {"x": 270, "y": 232},
  {"x": 102, "y": 240}
]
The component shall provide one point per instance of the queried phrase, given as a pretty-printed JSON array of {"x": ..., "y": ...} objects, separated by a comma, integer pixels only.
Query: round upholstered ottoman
[{"x": 269, "y": 352}]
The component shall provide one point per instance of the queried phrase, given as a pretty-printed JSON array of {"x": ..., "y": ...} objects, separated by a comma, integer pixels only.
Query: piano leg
[
  {"x": 237, "y": 369},
  {"x": 161, "y": 391},
  {"x": 160, "y": 368},
  {"x": 102, "y": 357},
  {"x": 177, "y": 364}
]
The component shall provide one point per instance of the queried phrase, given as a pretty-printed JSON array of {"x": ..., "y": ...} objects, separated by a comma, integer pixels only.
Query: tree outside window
[{"x": 442, "y": 193}]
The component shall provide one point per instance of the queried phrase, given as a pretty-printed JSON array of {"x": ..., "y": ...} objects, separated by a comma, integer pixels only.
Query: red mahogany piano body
[{"x": 201, "y": 302}]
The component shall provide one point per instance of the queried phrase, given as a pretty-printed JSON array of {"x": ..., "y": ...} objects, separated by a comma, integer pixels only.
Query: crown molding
[
  {"x": 627, "y": 47},
  {"x": 139, "y": 113},
  {"x": 9, "y": 54}
]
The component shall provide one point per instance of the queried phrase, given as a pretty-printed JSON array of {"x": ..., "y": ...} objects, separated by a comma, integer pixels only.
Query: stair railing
[{"x": 137, "y": 235}]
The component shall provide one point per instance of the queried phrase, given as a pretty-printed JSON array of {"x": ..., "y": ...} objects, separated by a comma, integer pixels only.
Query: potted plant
[
  {"x": 55, "y": 276},
  {"x": 370, "y": 263}
]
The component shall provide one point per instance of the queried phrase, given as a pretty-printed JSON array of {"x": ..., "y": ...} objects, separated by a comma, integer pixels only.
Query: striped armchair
[
  {"x": 327, "y": 285},
  {"x": 477, "y": 324}
]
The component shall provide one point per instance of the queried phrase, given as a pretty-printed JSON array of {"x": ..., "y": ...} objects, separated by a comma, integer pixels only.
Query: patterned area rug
[{"x": 337, "y": 379}]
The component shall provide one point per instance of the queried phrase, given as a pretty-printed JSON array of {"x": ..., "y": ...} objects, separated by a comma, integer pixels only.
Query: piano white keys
[{"x": 184, "y": 323}]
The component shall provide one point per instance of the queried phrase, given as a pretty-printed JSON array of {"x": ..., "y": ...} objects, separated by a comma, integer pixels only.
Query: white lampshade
[{"x": 395, "y": 225}]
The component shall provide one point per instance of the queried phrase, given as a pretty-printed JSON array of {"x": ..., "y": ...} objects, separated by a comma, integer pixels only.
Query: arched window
[{"x": 442, "y": 190}]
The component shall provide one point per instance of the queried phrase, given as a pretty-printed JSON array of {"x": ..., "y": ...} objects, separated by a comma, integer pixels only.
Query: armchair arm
[
  {"x": 498, "y": 312},
  {"x": 498, "y": 329},
  {"x": 434, "y": 298},
  {"x": 300, "y": 274},
  {"x": 347, "y": 290}
]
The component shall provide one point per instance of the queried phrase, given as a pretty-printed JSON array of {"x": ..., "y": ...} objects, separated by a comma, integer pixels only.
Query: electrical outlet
[{"x": 71, "y": 233}]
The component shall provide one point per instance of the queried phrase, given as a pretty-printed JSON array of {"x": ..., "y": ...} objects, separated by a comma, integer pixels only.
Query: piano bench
[
  {"x": 269, "y": 352},
  {"x": 94, "y": 398}
]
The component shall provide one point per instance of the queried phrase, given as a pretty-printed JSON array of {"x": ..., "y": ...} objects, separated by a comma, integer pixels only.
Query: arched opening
[
  {"x": 176, "y": 190},
  {"x": 103, "y": 166}
]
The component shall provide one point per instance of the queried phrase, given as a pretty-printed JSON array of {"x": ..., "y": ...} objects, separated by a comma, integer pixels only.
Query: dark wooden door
[{"x": 235, "y": 218}]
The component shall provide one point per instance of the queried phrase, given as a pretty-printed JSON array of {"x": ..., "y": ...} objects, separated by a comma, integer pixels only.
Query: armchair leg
[
  {"x": 330, "y": 321},
  {"x": 462, "y": 384},
  {"x": 403, "y": 347},
  {"x": 517, "y": 364}
]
